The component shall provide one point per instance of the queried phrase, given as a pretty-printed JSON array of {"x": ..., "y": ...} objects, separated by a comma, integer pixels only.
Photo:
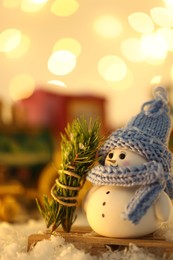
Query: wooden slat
[{"x": 84, "y": 238}]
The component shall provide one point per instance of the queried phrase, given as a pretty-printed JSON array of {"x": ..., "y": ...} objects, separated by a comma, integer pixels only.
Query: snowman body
[
  {"x": 105, "y": 213},
  {"x": 104, "y": 205}
]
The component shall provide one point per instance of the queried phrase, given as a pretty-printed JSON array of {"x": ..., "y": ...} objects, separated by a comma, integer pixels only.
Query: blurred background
[{"x": 60, "y": 59}]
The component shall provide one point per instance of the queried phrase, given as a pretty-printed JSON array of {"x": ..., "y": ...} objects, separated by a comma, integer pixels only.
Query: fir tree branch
[{"x": 79, "y": 146}]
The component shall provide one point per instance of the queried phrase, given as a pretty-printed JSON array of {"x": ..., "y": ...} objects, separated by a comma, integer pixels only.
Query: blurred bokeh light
[{"x": 21, "y": 86}]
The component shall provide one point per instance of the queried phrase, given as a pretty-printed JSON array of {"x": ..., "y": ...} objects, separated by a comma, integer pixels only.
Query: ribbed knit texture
[
  {"x": 148, "y": 178},
  {"x": 146, "y": 134}
]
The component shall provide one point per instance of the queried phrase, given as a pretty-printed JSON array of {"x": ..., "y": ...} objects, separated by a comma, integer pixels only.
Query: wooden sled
[{"x": 85, "y": 239}]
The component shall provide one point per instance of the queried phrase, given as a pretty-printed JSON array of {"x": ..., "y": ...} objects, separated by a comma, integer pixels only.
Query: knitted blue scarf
[{"x": 149, "y": 178}]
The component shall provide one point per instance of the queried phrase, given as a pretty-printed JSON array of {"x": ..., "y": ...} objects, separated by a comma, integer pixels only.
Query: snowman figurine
[{"x": 132, "y": 184}]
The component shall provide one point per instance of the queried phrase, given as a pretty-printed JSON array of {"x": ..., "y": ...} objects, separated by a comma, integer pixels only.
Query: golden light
[
  {"x": 55, "y": 83},
  {"x": 123, "y": 84},
  {"x": 112, "y": 68},
  {"x": 64, "y": 7},
  {"x": 9, "y": 39},
  {"x": 31, "y": 6},
  {"x": 167, "y": 34},
  {"x": 39, "y": 1},
  {"x": 162, "y": 16},
  {"x": 169, "y": 3},
  {"x": 108, "y": 26},
  {"x": 156, "y": 80},
  {"x": 154, "y": 47},
  {"x": 155, "y": 62},
  {"x": 68, "y": 44},
  {"x": 171, "y": 72},
  {"x": 131, "y": 49},
  {"x": 61, "y": 62},
  {"x": 11, "y": 3},
  {"x": 21, "y": 86},
  {"x": 21, "y": 49},
  {"x": 141, "y": 22}
]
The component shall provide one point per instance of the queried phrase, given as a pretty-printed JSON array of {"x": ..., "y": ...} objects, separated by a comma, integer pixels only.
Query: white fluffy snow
[{"x": 14, "y": 242}]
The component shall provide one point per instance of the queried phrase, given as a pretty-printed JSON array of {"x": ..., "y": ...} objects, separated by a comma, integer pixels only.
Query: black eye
[
  {"x": 110, "y": 155},
  {"x": 122, "y": 156}
]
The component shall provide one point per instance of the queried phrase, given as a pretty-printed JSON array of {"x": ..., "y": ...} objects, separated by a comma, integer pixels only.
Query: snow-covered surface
[{"x": 14, "y": 241}]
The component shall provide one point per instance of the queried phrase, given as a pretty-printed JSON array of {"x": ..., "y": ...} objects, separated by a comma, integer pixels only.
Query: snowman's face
[{"x": 123, "y": 158}]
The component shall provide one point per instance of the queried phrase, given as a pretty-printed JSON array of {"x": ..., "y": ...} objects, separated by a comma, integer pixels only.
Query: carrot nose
[{"x": 112, "y": 161}]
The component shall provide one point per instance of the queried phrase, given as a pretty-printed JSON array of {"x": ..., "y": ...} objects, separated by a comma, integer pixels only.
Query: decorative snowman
[{"x": 133, "y": 187}]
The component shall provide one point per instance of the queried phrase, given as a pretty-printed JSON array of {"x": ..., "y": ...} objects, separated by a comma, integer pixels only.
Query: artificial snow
[{"x": 14, "y": 242}]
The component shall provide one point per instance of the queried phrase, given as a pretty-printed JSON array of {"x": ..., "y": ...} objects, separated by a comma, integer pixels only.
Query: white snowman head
[
  {"x": 147, "y": 133},
  {"x": 126, "y": 186},
  {"x": 121, "y": 157}
]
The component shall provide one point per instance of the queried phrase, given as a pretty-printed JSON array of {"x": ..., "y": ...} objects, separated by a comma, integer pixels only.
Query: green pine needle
[{"x": 79, "y": 146}]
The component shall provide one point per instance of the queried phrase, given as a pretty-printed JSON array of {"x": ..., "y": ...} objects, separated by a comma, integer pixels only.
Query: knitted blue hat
[{"x": 147, "y": 133}]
